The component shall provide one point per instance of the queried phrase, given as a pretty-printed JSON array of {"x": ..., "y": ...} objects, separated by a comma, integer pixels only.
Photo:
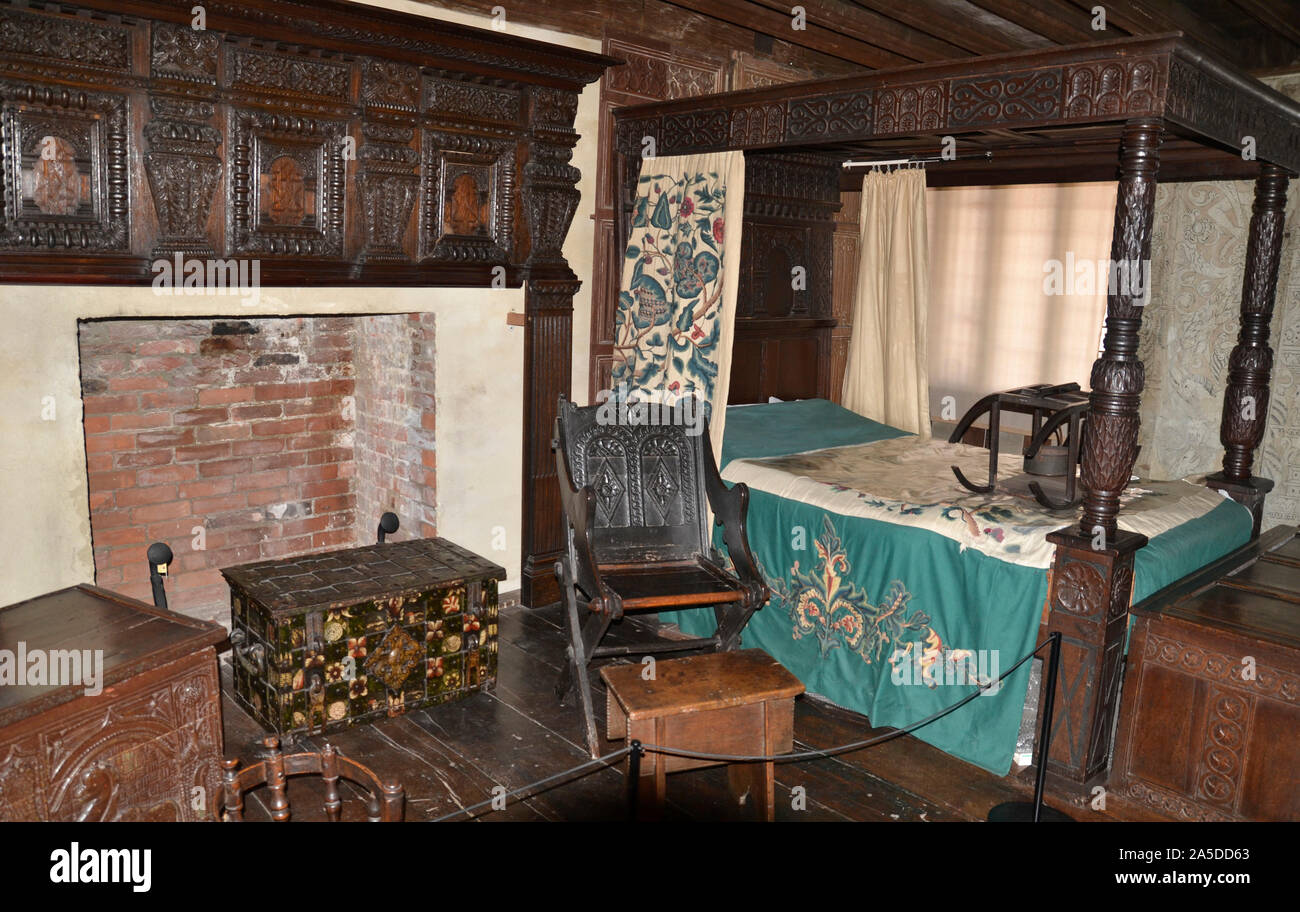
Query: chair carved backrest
[
  {"x": 387, "y": 801},
  {"x": 647, "y": 470}
]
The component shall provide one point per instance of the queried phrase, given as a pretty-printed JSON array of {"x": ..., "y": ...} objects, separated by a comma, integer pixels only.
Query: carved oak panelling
[
  {"x": 387, "y": 186},
  {"x": 1005, "y": 99},
  {"x": 469, "y": 185},
  {"x": 389, "y": 84},
  {"x": 1122, "y": 87},
  {"x": 81, "y": 42},
  {"x": 468, "y": 99},
  {"x": 696, "y": 129},
  {"x": 907, "y": 109},
  {"x": 1269, "y": 681},
  {"x": 830, "y": 116},
  {"x": 758, "y": 124},
  {"x": 181, "y": 52},
  {"x": 286, "y": 185},
  {"x": 65, "y": 168},
  {"x": 766, "y": 287},
  {"x": 554, "y": 109},
  {"x": 641, "y": 74},
  {"x": 138, "y": 757},
  {"x": 183, "y": 169},
  {"x": 275, "y": 72}
]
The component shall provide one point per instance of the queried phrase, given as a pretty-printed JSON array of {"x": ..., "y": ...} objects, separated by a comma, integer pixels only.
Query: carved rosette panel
[
  {"x": 1224, "y": 669},
  {"x": 180, "y": 52},
  {"x": 183, "y": 169},
  {"x": 1078, "y": 587},
  {"x": 136, "y": 758},
  {"x": 1004, "y": 99},
  {"x": 468, "y": 198},
  {"x": 1168, "y": 803},
  {"x": 387, "y": 187},
  {"x": 286, "y": 185},
  {"x": 390, "y": 85},
  {"x": 906, "y": 109},
  {"x": 830, "y": 116},
  {"x": 1121, "y": 87},
  {"x": 1222, "y": 752},
  {"x": 64, "y": 169}
]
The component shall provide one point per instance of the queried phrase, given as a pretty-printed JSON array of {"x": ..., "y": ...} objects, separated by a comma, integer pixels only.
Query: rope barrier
[{"x": 792, "y": 757}]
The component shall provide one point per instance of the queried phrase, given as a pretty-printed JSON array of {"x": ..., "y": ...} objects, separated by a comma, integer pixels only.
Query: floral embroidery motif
[{"x": 825, "y": 603}]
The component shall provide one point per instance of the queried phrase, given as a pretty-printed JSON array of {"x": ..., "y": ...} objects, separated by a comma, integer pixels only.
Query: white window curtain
[
  {"x": 886, "y": 378},
  {"x": 1018, "y": 280},
  {"x": 676, "y": 315}
]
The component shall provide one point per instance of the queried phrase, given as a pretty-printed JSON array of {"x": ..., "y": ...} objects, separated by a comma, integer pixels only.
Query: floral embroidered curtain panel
[{"x": 677, "y": 306}]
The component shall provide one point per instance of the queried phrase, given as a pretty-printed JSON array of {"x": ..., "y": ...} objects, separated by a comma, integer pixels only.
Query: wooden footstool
[{"x": 722, "y": 703}]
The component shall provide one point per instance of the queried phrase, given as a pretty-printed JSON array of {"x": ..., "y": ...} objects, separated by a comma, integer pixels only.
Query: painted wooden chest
[
  {"x": 328, "y": 640},
  {"x": 110, "y": 709}
]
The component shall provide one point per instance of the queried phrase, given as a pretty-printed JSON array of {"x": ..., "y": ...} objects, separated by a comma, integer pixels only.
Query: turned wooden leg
[
  {"x": 1250, "y": 366},
  {"x": 1092, "y": 572}
]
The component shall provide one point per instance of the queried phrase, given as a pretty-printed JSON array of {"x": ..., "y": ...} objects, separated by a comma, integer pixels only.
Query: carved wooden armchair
[{"x": 637, "y": 500}]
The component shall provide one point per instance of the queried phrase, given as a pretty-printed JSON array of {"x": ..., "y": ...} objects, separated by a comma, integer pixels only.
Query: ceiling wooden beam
[
  {"x": 974, "y": 37},
  {"x": 881, "y": 31},
  {"x": 1056, "y": 20},
  {"x": 780, "y": 25},
  {"x": 1275, "y": 16}
]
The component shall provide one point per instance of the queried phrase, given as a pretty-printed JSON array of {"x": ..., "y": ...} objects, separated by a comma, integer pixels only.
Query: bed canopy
[{"x": 1136, "y": 110}]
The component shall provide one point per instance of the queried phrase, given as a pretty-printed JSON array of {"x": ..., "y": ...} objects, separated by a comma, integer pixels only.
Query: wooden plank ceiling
[{"x": 847, "y": 35}]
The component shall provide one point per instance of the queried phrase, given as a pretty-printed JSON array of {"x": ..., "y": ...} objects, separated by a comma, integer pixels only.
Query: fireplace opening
[{"x": 245, "y": 439}]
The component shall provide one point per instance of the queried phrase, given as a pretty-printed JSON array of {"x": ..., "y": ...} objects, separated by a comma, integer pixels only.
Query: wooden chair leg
[
  {"x": 731, "y": 624},
  {"x": 583, "y": 637}
]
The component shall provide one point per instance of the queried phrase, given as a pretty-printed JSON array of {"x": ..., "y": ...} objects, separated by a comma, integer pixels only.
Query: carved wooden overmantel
[{"x": 330, "y": 143}]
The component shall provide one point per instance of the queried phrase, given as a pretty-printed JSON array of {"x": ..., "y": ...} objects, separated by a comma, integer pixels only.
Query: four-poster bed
[{"x": 1160, "y": 106}]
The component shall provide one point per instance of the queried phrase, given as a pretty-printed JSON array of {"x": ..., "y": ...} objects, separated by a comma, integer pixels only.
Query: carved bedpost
[
  {"x": 552, "y": 199},
  {"x": 1092, "y": 573},
  {"x": 1245, "y": 398}
]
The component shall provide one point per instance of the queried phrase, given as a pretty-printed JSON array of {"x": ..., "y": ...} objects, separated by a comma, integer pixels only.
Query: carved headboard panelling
[
  {"x": 326, "y": 143},
  {"x": 784, "y": 309}
]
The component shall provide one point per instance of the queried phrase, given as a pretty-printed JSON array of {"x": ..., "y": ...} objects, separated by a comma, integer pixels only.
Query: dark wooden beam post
[
  {"x": 1250, "y": 366},
  {"x": 551, "y": 199},
  {"x": 1092, "y": 573}
]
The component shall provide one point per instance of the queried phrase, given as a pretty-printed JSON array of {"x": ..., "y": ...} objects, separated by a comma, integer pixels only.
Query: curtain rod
[{"x": 988, "y": 156}]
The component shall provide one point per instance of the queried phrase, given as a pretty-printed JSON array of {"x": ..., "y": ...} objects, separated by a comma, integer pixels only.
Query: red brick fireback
[{"x": 242, "y": 440}]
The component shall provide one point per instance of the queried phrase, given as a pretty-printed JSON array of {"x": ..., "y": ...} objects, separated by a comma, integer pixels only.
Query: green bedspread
[{"x": 896, "y": 622}]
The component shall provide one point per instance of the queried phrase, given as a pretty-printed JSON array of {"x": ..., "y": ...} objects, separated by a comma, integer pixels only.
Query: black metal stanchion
[
  {"x": 159, "y": 557},
  {"x": 1024, "y": 811},
  {"x": 633, "y": 778}
]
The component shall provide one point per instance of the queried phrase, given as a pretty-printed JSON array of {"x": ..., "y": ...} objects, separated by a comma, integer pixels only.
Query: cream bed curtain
[{"x": 887, "y": 378}]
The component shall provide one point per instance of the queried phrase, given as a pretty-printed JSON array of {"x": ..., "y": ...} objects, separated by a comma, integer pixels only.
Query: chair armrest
[
  {"x": 731, "y": 511},
  {"x": 580, "y": 511}
]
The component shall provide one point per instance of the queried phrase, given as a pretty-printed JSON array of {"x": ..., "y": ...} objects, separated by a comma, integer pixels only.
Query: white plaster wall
[{"x": 45, "y": 529}]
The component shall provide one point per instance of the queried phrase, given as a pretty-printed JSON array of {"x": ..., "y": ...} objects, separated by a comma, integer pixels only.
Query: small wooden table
[{"x": 721, "y": 703}]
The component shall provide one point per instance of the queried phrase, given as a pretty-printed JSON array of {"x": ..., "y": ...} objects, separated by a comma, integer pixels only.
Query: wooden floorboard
[{"x": 452, "y": 757}]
